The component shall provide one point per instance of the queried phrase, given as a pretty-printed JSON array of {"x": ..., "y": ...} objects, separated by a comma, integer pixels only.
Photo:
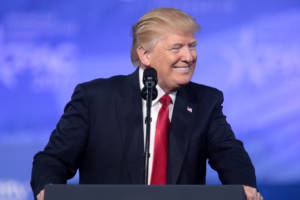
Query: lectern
[{"x": 142, "y": 192}]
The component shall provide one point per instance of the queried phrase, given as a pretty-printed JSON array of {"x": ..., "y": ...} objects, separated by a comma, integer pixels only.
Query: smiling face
[{"x": 174, "y": 58}]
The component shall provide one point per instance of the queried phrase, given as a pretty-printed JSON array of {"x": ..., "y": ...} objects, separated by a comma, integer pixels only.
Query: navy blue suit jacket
[{"x": 101, "y": 134}]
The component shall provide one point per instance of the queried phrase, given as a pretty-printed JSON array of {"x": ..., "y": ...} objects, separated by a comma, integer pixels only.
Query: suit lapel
[
  {"x": 129, "y": 111},
  {"x": 179, "y": 134}
]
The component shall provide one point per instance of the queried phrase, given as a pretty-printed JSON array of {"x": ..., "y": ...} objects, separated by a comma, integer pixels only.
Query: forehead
[{"x": 177, "y": 37}]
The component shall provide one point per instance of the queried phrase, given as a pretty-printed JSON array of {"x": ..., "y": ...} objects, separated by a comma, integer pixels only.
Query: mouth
[{"x": 182, "y": 69}]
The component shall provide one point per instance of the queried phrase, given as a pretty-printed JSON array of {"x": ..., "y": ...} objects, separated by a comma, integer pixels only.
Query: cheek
[
  {"x": 157, "y": 60},
  {"x": 164, "y": 63},
  {"x": 174, "y": 60}
]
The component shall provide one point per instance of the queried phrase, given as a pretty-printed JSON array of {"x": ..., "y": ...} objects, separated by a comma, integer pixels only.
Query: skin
[
  {"x": 40, "y": 196},
  {"x": 174, "y": 57},
  {"x": 252, "y": 193}
]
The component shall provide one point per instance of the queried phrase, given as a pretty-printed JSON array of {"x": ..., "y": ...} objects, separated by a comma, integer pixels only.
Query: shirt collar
[{"x": 160, "y": 92}]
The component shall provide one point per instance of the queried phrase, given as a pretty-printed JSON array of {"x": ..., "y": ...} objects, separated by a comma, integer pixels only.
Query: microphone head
[
  {"x": 145, "y": 92},
  {"x": 150, "y": 77}
]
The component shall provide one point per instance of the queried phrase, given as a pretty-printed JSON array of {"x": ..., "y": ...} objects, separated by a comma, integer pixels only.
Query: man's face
[{"x": 174, "y": 58}]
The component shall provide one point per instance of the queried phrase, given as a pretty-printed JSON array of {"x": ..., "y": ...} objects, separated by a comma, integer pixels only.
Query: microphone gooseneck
[{"x": 149, "y": 93}]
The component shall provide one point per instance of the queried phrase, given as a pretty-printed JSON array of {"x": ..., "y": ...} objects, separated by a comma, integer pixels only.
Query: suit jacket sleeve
[
  {"x": 226, "y": 154},
  {"x": 60, "y": 158}
]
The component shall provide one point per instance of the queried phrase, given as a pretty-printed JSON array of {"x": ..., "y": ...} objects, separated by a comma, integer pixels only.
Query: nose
[{"x": 187, "y": 55}]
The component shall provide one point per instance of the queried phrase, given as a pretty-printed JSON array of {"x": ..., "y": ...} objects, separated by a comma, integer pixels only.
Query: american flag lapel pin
[{"x": 189, "y": 109}]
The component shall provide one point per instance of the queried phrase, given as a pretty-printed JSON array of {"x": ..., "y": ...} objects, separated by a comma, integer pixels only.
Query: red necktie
[{"x": 159, "y": 166}]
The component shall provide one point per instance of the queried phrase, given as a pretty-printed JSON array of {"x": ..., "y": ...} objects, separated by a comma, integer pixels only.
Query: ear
[{"x": 144, "y": 56}]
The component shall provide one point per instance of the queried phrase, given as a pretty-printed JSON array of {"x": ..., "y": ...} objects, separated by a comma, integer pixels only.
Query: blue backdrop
[{"x": 248, "y": 49}]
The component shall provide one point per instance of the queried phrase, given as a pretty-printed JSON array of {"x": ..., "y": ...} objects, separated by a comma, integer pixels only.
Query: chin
[
  {"x": 184, "y": 80},
  {"x": 181, "y": 84}
]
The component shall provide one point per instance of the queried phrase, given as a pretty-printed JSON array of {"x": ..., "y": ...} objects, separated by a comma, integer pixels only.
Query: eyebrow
[
  {"x": 181, "y": 44},
  {"x": 176, "y": 45}
]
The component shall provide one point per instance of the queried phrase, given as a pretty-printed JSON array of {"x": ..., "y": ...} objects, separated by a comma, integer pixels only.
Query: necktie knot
[{"x": 165, "y": 100}]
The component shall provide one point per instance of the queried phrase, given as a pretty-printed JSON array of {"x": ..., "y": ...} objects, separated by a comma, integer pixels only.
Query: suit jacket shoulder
[
  {"x": 204, "y": 93},
  {"x": 108, "y": 90}
]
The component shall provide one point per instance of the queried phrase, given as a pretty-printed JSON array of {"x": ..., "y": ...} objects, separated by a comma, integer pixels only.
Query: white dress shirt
[{"x": 156, "y": 105}]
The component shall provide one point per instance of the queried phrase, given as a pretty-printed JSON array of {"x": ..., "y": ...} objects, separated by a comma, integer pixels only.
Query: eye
[
  {"x": 193, "y": 45},
  {"x": 176, "y": 47}
]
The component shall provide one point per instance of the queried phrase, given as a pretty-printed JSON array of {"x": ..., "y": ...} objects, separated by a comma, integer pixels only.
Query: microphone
[
  {"x": 150, "y": 81},
  {"x": 149, "y": 93}
]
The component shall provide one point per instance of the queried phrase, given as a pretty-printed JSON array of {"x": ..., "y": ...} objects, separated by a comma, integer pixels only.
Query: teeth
[{"x": 182, "y": 68}]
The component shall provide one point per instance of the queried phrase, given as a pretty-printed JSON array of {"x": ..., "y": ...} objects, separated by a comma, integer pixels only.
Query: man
[{"x": 101, "y": 131}]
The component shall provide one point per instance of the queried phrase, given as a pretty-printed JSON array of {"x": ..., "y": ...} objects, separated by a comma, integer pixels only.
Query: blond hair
[{"x": 149, "y": 28}]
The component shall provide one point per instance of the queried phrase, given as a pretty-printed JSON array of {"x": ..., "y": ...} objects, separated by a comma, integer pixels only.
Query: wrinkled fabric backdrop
[{"x": 248, "y": 49}]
